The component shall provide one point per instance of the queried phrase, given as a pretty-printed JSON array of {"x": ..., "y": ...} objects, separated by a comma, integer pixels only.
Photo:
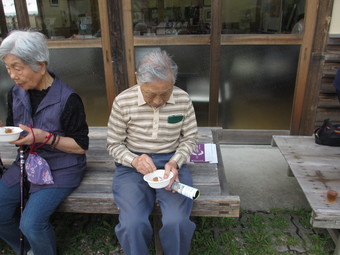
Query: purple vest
[{"x": 67, "y": 169}]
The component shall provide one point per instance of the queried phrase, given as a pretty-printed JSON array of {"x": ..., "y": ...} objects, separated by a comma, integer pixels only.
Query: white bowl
[
  {"x": 9, "y": 137},
  {"x": 161, "y": 183}
]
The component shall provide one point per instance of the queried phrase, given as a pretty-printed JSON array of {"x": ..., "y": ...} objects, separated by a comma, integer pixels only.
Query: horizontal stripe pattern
[{"x": 143, "y": 129}]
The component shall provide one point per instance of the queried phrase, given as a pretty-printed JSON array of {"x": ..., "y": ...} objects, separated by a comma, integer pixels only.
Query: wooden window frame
[
  {"x": 103, "y": 42},
  {"x": 216, "y": 40}
]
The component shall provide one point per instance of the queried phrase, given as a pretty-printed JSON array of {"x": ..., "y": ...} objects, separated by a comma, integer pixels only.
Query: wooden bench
[
  {"x": 94, "y": 195},
  {"x": 317, "y": 170}
]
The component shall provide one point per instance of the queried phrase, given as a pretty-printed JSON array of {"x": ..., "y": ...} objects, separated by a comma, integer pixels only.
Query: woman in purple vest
[{"x": 57, "y": 115}]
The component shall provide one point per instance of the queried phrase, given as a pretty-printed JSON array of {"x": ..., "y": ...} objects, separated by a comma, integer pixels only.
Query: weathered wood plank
[
  {"x": 328, "y": 101},
  {"x": 333, "y": 41},
  {"x": 330, "y": 113},
  {"x": 332, "y": 56},
  {"x": 327, "y": 106},
  {"x": 329, "y": 69},
  {"x": 246, "y": 136},
  {"x": 94, "y": 195},
  {"x": 212, "y": 206},
  {"x": 327, "y": 87},
  {"x": 317, "y": 170}
]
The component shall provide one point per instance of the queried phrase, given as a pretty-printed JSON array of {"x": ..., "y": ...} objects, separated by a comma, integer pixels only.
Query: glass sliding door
[
  {"x": 193, "y": 74},
  {"x": 257, "y": 86},
  {"x": 258, "y": 55},
  {"x": 76, "y": 55}
]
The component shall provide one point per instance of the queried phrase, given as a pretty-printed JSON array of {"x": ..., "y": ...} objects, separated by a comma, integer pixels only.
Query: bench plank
[
  {"x": 317, "y": 170},
  {"x": 94, "y": 195}
]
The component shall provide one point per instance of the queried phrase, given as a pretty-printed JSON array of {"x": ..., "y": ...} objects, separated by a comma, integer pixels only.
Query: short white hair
[
  {"x": 157, "y": 64},
  {"x": 29, "y": 46}
]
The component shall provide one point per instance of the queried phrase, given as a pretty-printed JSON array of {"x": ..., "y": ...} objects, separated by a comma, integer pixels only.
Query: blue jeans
[
  {"x": 136, "y": 201},
  {"x": 34, "y": 222}
]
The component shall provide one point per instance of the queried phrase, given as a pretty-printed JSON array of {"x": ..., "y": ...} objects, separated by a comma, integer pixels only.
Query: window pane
[
  {"x": 266, "y": 16},
  {"x": 171, "y": 17},
  {"x": 193, "y": 74},
  {"x": 257, "y": 86},
  {"x": 60, "y": 19},
  {"x": 11, "y": 15},
  {"x": 83, "y": 72},
  {"x": 5, "y": 85}
]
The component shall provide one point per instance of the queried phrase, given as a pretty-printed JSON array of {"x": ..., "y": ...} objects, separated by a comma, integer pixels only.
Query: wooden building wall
[
  {"x": 320, "y": 100},
  {"x": 328, "y": 104}
]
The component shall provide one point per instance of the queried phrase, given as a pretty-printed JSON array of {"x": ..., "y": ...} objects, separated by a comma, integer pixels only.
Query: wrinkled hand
[
  {"x": 171, "y": 166},
  {"x": 143, "y": 164},
  {"x": 40, "y": 136}
]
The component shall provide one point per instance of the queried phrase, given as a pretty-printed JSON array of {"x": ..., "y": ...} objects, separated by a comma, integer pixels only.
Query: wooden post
[
  {"x": 22, "y": 14},
  {"x": 156, "y": 227},
  {"x": 129, "y": 42},
  {"x": 215, "y": 61},
  {"x": 3, "y": 26},
  {"x": 117, "y": 45},
  {"x": 316, "y": 68},
  {"x": 107, "y": 56}
]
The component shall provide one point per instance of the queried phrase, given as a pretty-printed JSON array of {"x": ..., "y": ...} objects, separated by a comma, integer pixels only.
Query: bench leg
[
  {"x": 337, "y": 247},
  {"x": 334, "y": 233},
  {"x": 156, "y": 227},
  {"x": 290, "y": 172}
]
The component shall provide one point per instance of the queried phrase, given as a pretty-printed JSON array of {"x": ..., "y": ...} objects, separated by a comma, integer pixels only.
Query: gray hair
[
  {"x": 29, "y": 46},
  {"x": 157, "y": 65}
]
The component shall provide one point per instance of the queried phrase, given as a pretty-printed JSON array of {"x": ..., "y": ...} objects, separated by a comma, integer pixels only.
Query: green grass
[{"x": 254, "y": 233}]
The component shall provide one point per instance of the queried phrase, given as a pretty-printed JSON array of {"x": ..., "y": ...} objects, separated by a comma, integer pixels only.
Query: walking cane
[{"x": 22, "y": 196}]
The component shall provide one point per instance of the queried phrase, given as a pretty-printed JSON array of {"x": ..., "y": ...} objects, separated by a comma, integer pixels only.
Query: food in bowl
[
  {"x": 156, "y": 179},
  {"x": 9, "y": 134}
]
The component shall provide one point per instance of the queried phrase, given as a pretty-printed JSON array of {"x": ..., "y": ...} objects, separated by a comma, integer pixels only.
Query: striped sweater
[{"x": 134, "y": 126}]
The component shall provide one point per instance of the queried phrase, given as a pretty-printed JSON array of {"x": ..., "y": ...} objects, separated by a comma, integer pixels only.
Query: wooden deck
[{"x": 317, "y": 170}]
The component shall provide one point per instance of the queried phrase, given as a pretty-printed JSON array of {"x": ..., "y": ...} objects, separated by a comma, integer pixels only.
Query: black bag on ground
[{"x": 328, "y": 134}]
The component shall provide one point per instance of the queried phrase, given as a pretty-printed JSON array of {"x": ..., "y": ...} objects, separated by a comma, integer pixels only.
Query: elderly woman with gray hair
[
  {"x": 152, "y": 126},
  {"x": 50, "y": 114}
]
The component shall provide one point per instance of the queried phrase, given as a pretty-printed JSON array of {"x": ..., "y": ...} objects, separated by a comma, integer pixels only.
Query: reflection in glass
[
  {"x": 193, "y": 74},
  {"x": 5, "y": 85},
  {"x": 261, "y": 16},
  {"x": 171, "y": 17},
  {"x": 69, "y": 18},
  {"x": 257, "y": 86},
  {"x": 178, "y": 17},
  {"x": 58, "y": 19},
  {"x": 82, "y": 69},
  {"x": 11, "y": 15},
  {"x": 84, "y": 72},
  {"x": 257, "y": 83}
]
